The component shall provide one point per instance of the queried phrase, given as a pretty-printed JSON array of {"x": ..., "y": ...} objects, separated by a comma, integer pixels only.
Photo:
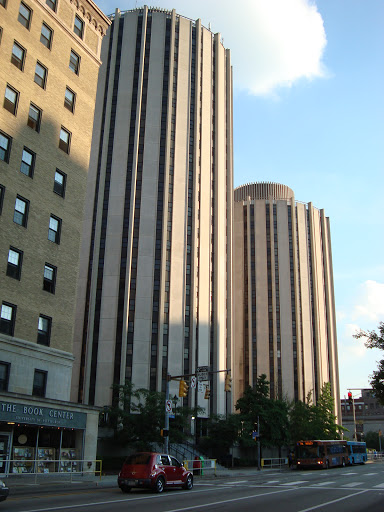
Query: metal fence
[
  {"x": 40, "y": 468},
  {"x": 201, "y": 467},
  {"x": 274, "y": 463}
]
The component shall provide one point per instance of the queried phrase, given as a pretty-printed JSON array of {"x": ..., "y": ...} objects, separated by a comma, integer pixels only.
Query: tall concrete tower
[
  {"x": 155, "y": 277},
  {"x": 284, "y": 306}
]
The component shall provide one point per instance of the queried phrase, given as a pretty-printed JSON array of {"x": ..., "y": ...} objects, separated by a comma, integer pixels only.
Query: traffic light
[
  {"x": 207, "y": 393},
  {"x": 183, "y": 388},
  {"x": 228, "y": 382},
  {"x": 350, "y": 397}
]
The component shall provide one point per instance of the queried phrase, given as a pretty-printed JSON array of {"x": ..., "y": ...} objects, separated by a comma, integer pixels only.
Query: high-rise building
[
  {"x": 155, "y": 276},
  {"x": 284, "y": 307},
  {"x": 49, "y": 62}
]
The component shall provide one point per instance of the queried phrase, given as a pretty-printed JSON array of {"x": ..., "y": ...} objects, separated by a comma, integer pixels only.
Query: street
[{"x": 356, "y": 489}]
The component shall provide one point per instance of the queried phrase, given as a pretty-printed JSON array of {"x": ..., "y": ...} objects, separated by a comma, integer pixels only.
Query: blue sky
[{"x": 309, "y": 113}]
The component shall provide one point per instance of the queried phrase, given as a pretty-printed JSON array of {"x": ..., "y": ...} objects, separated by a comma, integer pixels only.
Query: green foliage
[
  {"x": 138, "y": 416},
  {"x": 375, "y": 339},
  {"x": 223, "y": 433},
  {"x": 372, "y": 440},
  {"x": 256, "y": 406},
  {"x": 309, "y": 421}
]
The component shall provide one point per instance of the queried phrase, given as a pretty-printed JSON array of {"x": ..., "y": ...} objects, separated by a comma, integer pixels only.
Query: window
[
  {"x": 5, "y": 147},
  {"x": 49, "y": 282},
  {"x": 44, "y": 330},
  {"x": 51, "y": 4},
  {"x": 20, "y": 215},
  {"x": 2, "y": 193},
  {"x": 15, "y": 260},
  {"x": 11, "y": 99},
  {"x": 54, "y": 229},
  {"x": 65, "y": 139},
  {"x": 25, "y": 15},
  {"x": 74, "y": 62},
  {"x": 40, "y": 75},
  {"x": 27, "y": 162},
  {"x": 59, "y": 183},
  {"x": 46, "y": 36},
  {"x": 7, "y": 318},
  {"x": 78, "y": 27},
  {"x": 18, "y": 56},
  {"x": 39, "y": 383},
  {"x": 69, "y": 100},
  {"x": 4, "y": 375},
  {"x": 34, "y": 117}
]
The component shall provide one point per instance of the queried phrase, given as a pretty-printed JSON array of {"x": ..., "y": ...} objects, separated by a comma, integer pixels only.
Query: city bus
[
  {"x": 321, "y": 454},
  {"x": 357, "y": 452}
]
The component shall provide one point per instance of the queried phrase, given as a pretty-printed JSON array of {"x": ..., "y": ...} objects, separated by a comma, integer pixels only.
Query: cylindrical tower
[
  {"x": 284, "y": 308},
  {"x": 155, "y": 278}
]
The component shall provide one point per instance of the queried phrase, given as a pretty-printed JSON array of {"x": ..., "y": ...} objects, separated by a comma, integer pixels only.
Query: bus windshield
[{"x": 308, "y": 451}]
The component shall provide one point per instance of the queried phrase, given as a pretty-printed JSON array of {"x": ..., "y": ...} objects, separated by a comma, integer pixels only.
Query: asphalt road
[{"x": 352, "y": 489}]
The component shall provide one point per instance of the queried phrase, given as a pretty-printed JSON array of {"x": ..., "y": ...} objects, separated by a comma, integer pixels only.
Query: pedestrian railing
[
  {"x": 274, "y": 463},
  {"x": 201, "y": 467},
  {"x": 40, "y": 468},
  {"x": 375, "y": 456}
]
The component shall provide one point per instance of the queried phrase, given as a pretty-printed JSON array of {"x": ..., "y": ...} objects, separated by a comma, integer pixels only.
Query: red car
[{"x": 153, "y": 471}]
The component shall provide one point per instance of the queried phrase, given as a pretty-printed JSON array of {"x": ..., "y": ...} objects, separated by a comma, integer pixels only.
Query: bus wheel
[{"x": 343, "y": 463}]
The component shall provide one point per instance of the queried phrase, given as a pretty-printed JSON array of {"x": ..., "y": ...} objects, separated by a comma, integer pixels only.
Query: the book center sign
[{"x": 45, "y": 416}]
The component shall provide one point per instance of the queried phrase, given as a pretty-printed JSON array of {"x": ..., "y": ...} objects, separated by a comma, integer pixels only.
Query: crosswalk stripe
[
  {"x": 272, "y": 482},
  {"x": 369, "y": 474},
  {"x": 324, "y": 483},
  {"x": 380, "y": 486},
  {"x": 352, "y": 484},
  {"x": 296, "y": 483},
  {"x": 352, "y": 473}
]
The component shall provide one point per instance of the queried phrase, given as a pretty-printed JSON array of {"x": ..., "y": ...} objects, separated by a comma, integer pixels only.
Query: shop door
[{"x": 4, "y": 453}]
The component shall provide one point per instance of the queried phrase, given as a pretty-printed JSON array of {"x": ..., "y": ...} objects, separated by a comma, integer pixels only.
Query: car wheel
[
  {"x": 188, "y": 483},
  {"x": 125, "y": 489},
  {"x": 159, "y": 486}
]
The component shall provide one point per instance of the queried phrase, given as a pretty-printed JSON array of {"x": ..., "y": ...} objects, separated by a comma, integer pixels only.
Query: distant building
[
  {"x": 49, "y": 63},
  {"x": 155, "y": 276},
  {"x": 369, "y": 414},
  {"x": 284, "y": 307}
]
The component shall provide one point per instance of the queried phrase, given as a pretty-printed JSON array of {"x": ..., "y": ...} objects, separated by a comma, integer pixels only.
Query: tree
[
  {"x": 308, "y": 421},
  {"x": 372, "y": 440},
  {"x": 375, "y": 339},
  {"x": 255, "y": 405},
  {"x": 222, "y": 434}
]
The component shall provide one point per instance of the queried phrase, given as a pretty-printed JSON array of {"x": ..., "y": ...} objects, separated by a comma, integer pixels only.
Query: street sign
[
  {"x": 202, "y": 373},
  {"x": 168, "y": 406},
  {"x": 255, "y": 434},
  {"x": 193, "y": 382}
]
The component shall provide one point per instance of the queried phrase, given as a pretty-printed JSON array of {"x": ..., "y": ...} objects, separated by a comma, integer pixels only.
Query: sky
[{"x": 309, "y": 113}]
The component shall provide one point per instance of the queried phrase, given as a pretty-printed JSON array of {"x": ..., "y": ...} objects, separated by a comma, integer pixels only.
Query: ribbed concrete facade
[
  {"x": 155, "y": 277},
  {"x": 284, "y": 308}
]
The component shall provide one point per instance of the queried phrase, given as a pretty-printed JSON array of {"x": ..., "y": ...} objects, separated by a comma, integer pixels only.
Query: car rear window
[{"x": 138, "y": 459}]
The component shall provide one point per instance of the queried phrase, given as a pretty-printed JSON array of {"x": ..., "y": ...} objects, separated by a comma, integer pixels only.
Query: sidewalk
[{"x": 28, "y": 484}]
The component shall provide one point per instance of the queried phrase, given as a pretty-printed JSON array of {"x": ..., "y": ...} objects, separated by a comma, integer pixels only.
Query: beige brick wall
[{"x": 28, "y": 293}]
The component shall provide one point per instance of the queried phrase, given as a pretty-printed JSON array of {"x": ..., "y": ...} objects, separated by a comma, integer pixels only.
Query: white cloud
[
  {"x": 273, "y": 43},
  {"x": 370, "y": 302}
]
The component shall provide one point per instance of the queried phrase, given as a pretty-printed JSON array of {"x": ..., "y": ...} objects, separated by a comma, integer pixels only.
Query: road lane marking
[
  {"x": 238, "y": 482},
  {"x": 324, "y": 483},
  {"x": 380, "y": 486},
  {"x": 369, "y": 474},
  {"x": 228, "y": 501},
  {"x": 352, "y": 484},
  {"x": 272, "y": 482},
  {"x": 353, "y": 473},
  {"x": 297, "y": 483},
  {"x": 331, "y": 502}
]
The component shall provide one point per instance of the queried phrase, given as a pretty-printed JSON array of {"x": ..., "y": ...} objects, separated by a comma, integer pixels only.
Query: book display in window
[
  {"x": 23, "y": 459},
  {"x": 68, "y": 460},
  {"x": 45, "y": 460}
]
